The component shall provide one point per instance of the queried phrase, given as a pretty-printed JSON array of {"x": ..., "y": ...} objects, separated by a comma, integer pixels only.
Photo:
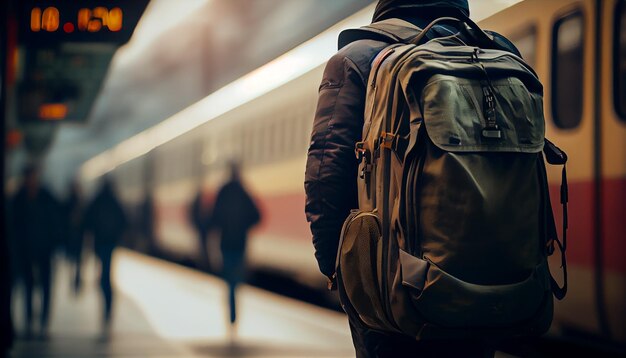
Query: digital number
[
  {"x": 94, "y": 20},
  {"x": 115, "y": 19},
  {"x": 88, "y": 20},
  {"x": 35, "y": 19},
  {"x": 48, "y": 20}
]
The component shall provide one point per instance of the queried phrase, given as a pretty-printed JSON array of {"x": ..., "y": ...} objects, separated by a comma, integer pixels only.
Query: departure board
[{"x": 49, "y": 22}]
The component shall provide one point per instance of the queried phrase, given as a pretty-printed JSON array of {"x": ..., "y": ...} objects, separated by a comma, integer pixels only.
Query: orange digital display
[
  {"x": 52, "y": 111},
  {"x": 86, "y": 20}
]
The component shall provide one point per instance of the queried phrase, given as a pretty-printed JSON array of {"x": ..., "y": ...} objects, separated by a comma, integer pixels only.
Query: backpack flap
[{"x": 455, "y": 115}]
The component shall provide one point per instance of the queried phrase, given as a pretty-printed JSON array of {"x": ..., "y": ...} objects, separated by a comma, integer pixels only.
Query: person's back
[
  {"x": 233, "y": 215},
  {"x": 35, "y": 221},
  {"x": 73, "y": 212},
  {"x": 105, "y": 219},
  {"x": 331, "y": 171}
]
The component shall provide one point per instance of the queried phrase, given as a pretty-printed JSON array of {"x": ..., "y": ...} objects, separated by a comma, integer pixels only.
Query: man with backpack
[{"x": 428, "y": 125}]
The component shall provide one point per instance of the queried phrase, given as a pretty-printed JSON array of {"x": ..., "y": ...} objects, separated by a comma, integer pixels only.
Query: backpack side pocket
[{"x": 358, "y": 259}]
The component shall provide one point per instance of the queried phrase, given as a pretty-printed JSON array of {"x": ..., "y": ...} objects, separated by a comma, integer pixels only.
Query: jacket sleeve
[{"x": 331, "y": 169}]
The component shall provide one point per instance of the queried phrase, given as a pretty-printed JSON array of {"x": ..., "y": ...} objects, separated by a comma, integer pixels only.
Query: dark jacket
[
  {"x": 234, "y": 214},
  {"x": 331, "y": 169},
  {"x": 105, "y": 218},
  {"x": 36, "y": 223}
]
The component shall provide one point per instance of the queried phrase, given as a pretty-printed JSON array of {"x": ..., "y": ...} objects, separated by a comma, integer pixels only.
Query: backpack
[{"x": 454, "y": 224}]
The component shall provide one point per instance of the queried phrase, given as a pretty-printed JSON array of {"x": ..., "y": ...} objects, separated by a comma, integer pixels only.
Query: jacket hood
[{"x": 385, "y": 7}]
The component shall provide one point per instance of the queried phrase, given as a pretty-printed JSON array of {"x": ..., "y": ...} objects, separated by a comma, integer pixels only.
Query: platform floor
[{"x": 165, "y": 310}]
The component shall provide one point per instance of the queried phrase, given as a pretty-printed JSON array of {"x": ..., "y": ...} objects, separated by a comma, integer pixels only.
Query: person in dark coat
[
  {"x": 106, "y": 221},
  {"x": 73, "y": 210},
  {"x": 200, "y": 218},
  {"x": 147, "y": 223},
  {"x": 331, "y": 169},
  {"x": 36, "y": 232},
  {"x": 6, "y": 321},
  {"x": 234, "y": 214}
]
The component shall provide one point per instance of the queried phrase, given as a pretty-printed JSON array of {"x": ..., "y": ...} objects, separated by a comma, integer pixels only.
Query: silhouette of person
[
  {"x": 6, "y": 323},
  {"x": 234, "y": 214},
  {"x": 147, "y": 223},
  {"x": 106, "y": 221},
  {"x": 200, "y": 217},
  {"x": 36, "y": 229},
  {"x": 73, "y": 210}
]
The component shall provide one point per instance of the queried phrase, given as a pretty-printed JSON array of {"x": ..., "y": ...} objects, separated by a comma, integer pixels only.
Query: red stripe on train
[
  {"x": 581, "y": 232},
  {"x": 283, "y": 216}
]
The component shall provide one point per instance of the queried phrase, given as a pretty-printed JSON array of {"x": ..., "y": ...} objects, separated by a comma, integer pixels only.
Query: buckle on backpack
[
  {"x": 365, "y": 171},
  {"x": 550, "y": 247},
  {"x": 360, "y": 151},
  {"x": 387, "y": 140}
]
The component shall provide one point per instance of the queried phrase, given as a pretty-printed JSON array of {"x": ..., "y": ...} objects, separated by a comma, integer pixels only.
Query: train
[{"x": 263, "y": 120}]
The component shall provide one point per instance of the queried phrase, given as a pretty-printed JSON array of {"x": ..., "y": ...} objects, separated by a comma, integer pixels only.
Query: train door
[{"x": 612, "y": 168}]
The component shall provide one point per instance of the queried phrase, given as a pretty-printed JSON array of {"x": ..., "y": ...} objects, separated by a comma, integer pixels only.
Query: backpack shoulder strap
[
  {"x": 555, "y": 156},
  {"x": 389, "y": 30}
]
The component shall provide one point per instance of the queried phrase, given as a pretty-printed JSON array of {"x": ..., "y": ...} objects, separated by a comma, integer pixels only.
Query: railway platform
[{"x": 165, "y": 310}]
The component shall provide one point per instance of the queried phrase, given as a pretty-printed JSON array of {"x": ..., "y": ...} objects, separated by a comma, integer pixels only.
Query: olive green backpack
[{"x": 454, "y": 224}]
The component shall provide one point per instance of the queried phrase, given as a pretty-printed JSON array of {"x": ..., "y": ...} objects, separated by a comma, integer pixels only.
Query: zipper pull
[{"x": 491, "y": 131}]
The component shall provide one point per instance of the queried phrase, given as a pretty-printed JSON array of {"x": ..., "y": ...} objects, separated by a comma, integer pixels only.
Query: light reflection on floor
[{"x": 164, "y": 310}]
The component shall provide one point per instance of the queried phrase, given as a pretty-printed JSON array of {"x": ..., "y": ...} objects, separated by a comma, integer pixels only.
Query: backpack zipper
[{"x": 466, "y": 56}]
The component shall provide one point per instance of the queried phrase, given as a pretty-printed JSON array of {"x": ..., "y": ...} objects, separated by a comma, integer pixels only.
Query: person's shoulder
[
  {"x": 359, "y": 53},
  {"x": 503, "y": 42}
]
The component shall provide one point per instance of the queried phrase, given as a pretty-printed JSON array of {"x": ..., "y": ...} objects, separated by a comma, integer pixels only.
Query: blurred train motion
[{"x": 578, "y": 48}]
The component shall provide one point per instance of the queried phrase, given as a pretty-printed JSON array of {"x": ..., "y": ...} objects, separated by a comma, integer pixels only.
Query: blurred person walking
[
  {"x": 200, "y": 218},
  {"x": 6, "y": 322},
  {"x": 36, "y": 230},
  {"x": 106, "y": 221},
  {"x": 147, "y": 224},
  {"x": 234, "y": 214},
  {"x": 73, "y": 211}
]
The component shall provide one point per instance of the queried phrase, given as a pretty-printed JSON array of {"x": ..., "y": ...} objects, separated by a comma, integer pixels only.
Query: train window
[
  {"x": 567, "y": 71},
  {"x": 272, "y": 140},
  {"x": 254, "y": 144},
  {"x": 619, "y": 62},
  {"x": 284, "y": 134},
  {"x": 526, "y": 43},
  {"x": 265, "y": 142},
  {"x": 241, "y": 138},
  {"x": 305, "y": 127},
  {"x": 292, "y": 136},
  {"x": 275, "y": 135}
]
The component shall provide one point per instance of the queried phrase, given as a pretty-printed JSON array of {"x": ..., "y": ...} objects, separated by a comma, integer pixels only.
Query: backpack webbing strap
[{"x": 555, "y": 156}]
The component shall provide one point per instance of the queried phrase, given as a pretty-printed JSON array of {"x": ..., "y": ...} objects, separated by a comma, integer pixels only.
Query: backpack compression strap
[{"x": 555, "y": 156}]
